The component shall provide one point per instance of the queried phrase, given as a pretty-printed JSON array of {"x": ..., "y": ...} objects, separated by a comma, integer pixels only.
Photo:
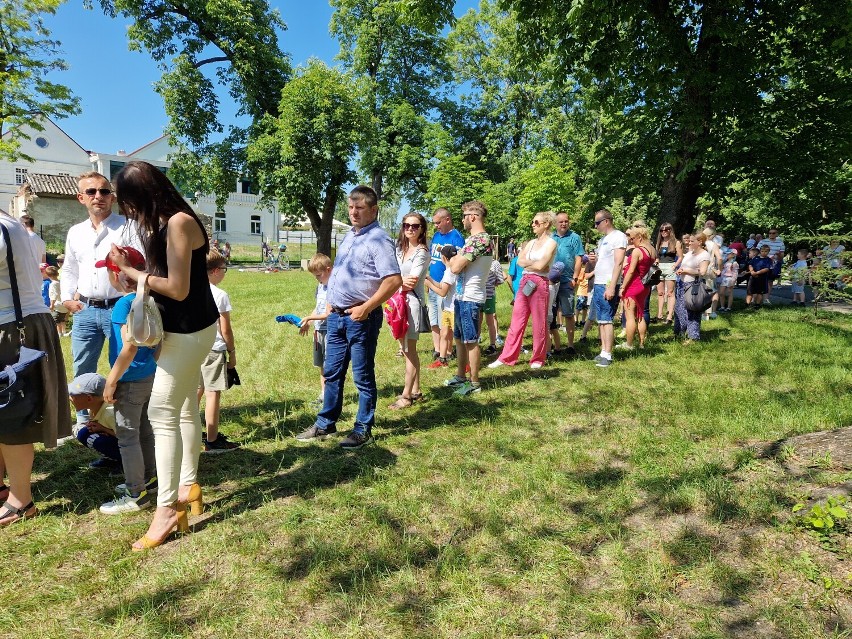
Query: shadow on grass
[{"x": 159, "y": 610}]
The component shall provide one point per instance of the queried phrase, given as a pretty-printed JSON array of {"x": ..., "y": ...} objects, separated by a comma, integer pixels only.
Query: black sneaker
[
  {"x": 570, "y": 351},
  {"x": 105, "y": 463},
  {"x": 314, "y": 432},
  {"x": 491, "y": 350},
  {"x": 354, "y": 440},
  {"x": 219, "y": 445}
]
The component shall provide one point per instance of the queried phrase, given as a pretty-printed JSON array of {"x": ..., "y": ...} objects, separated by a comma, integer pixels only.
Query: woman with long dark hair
[
  {"x": 669, "y": 253},
  {"x": 176, "y": 247},
  {"x": 413, "y": 255}
]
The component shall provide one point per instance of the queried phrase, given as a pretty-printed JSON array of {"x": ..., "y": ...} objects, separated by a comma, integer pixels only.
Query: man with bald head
[{"x": 445, "y": 234}]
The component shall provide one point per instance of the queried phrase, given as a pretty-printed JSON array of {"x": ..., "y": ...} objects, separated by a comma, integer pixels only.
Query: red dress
[{"x": 636, "y": 290}]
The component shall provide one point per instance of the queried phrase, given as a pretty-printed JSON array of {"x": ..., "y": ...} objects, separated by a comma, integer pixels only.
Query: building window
[
  {"x": 220, "y": 224},
  {"x": 20, "y": 176},
  {"x": 255, "y": 225},
  {"x": 245, "y": 186}
]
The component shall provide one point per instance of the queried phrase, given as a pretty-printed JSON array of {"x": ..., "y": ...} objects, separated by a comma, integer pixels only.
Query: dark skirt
[{"x": 50, "y": 380}]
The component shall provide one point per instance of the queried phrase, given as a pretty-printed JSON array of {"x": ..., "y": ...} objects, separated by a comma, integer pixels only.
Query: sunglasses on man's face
[
  {"x": 103, "y": 192},
  {"x": 411, "y": 227},
  {"x": 603, "y": 219}
]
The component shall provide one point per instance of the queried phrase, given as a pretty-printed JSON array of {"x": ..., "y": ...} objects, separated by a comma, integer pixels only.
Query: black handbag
[
  {"x": 20, "y": 403},
  {"x": 696, "y": 296},
  {"x": 652, "y": 277}
]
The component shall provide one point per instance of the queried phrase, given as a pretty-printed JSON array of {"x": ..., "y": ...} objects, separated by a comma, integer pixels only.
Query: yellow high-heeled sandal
[
  {"x": 181, "y": 527},
  {"x": 195, "y": 500}
]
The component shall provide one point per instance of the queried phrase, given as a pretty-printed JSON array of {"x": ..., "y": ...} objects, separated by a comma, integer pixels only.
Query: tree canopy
[{"x": 27, "y": 54}]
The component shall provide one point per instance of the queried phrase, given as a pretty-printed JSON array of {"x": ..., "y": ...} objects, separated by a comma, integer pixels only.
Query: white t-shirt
[
  {"x": 692, "y": 262},
  {"x": 320, "y": 307},
  {"x": 223, "y": 305},
  {"x": 607, "y": 247},
  {"x": 38, "y": 246},
  {"x": 470, "y": 286},
  {"x": 448, "y": 299},
  {"x": 26, "y": 271},
  {"x": 775, "y": 246}
]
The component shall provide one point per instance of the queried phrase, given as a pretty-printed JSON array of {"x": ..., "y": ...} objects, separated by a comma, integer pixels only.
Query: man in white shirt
[
  {"x": 38, "y": 245},
  {"x": 86, "y": 291},
  {"x": 608, "y": 263}
]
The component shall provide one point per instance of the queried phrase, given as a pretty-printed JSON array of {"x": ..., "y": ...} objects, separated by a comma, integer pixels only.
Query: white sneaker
[
  {"x": 713, "y": 316},
  {"x": 126, "y": 504},
  {"x": 766, "y": 301},
  {"x": 624, "y": 346},
  {"x": 495, "y": 364},
  {"x": 535, "y": 365}
]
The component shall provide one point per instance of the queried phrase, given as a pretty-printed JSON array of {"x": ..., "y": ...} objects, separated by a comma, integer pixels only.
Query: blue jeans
[
  {"x": 90, "y": 329},
  {"x": 348, "y": 340}
]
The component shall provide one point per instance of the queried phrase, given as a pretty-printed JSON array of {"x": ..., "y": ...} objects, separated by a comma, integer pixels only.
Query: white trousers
[{"x": 173, "y": 410}]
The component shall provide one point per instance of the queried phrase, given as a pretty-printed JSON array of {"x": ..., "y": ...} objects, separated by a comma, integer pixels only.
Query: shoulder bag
[
  {"x": 144, "y": 323},
  {"x": 696, "y": 296},
  {"x": 20, "y": 402}
]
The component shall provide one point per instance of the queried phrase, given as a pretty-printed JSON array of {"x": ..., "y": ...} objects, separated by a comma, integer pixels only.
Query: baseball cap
[
  {"x": 556, "y": 271},
  {"x": 43, "y": 265},
  {"x": 137, "y": 260},
  {"x": 87, "y": 384}
]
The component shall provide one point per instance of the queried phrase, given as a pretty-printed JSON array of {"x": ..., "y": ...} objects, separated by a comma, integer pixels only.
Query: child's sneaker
[
  {"x": 491, "y": 350},
  {"x": 498, "y": 342},
  {"x": 438, "y": 363},
  {"x": 455, "y": 380},
  {"x": 150, "y": 486},
  {"x": 126, "y": 503},
  {"x": 219, "y": 445},
  {"x": 468, "y": 388}
]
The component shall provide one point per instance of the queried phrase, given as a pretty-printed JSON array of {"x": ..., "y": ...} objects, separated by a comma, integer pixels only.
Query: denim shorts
[
  {"x": 604, "y": 309},
  {"x": 466, "y": 328},
  {"x": 565, "y": 300}
]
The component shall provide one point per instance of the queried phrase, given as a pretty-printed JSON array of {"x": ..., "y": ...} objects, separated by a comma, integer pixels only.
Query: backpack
[{"x": 396, "y": 314}]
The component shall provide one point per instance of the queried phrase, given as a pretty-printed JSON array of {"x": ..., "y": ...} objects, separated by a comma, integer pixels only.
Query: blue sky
[{"x": 120, "y": 110}]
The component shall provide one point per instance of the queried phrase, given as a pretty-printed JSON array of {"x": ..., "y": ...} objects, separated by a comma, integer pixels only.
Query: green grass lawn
[{"x": 573, "y": 501}]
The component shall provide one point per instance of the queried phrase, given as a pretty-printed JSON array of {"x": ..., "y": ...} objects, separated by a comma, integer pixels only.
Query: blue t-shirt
[
  {"x": 45, "y": 292},
  {"x": 515, "y": 274},
  {"x": 760, "y": 263},
  {"x": 567, "y": 250},
  {"x": 436, "y": 267},
  {"x": 143, "y": 364}
]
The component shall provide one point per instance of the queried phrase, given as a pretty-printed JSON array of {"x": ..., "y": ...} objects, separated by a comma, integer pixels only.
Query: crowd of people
[{"x": 143, "y": 418}]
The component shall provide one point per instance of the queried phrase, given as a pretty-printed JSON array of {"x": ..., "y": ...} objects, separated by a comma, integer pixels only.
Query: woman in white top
[
  {"x": 413, "y": 256},
  {"x": 536, "y": 257},
  {"x": 52, "y": 418},
  {"x": 694, "y": 265}
]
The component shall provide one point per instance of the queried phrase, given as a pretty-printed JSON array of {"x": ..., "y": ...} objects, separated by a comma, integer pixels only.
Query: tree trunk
[{"x": 679, "y": 198}]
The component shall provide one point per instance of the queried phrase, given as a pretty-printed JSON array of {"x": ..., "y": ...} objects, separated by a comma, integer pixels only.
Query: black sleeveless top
[{"x": 198, "y": 310}]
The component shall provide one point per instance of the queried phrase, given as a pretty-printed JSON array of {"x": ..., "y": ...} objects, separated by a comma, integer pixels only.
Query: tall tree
[
  {"x": 681, "y": 73},
  {"x": 27, "y": 55},
  {"x": 397, "y": 47},
  {"x": 199, "y": 44},
  {"x": 302, "y": 156}
]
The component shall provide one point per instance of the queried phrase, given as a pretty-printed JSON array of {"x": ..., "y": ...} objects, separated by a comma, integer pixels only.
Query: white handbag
[{"x": 144, "y": 323}]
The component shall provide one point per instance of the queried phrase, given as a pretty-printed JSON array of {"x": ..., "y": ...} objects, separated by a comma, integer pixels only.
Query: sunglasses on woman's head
[{"x": 411, "y": 227}]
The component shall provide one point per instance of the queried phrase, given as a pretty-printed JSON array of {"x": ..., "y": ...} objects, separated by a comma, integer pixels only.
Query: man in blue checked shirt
[{"x": 365, "y": 275}]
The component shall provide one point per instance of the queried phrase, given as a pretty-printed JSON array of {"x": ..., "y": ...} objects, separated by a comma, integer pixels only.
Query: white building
[{"x": 54, "y": 153}]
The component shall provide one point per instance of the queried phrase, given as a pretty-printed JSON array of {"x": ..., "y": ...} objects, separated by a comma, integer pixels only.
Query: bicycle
[{"x": 274, "y": 262}]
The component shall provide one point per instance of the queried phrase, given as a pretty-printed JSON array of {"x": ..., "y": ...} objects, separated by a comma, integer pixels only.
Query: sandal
[
  {"x": 417, "y": 397},
  {"x": 401, "y": 402},
  {"x": 10, "y": 514}
]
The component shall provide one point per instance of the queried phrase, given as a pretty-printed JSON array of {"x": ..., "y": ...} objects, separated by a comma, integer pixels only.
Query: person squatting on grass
[
  {"x": 413, "y": 257},
  {"x": 365, "y": 275},
  {"x": 533, "y": 299},
  {"x": 320, "y": 267},
  {"x": 176, "y": 247},
  {"x": 221, "y": 360},
  {"x": 471, "y": 264},
  {"x": 608, "y": 261},
  {"x": 694, "y": 265}
]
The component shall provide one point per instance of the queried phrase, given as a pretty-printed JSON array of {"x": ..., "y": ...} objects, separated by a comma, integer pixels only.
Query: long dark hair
[
  {"x": 672, "y": 239},
  {"x": 146, "y": 195},
  {"x": 402, "y": 240}
]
